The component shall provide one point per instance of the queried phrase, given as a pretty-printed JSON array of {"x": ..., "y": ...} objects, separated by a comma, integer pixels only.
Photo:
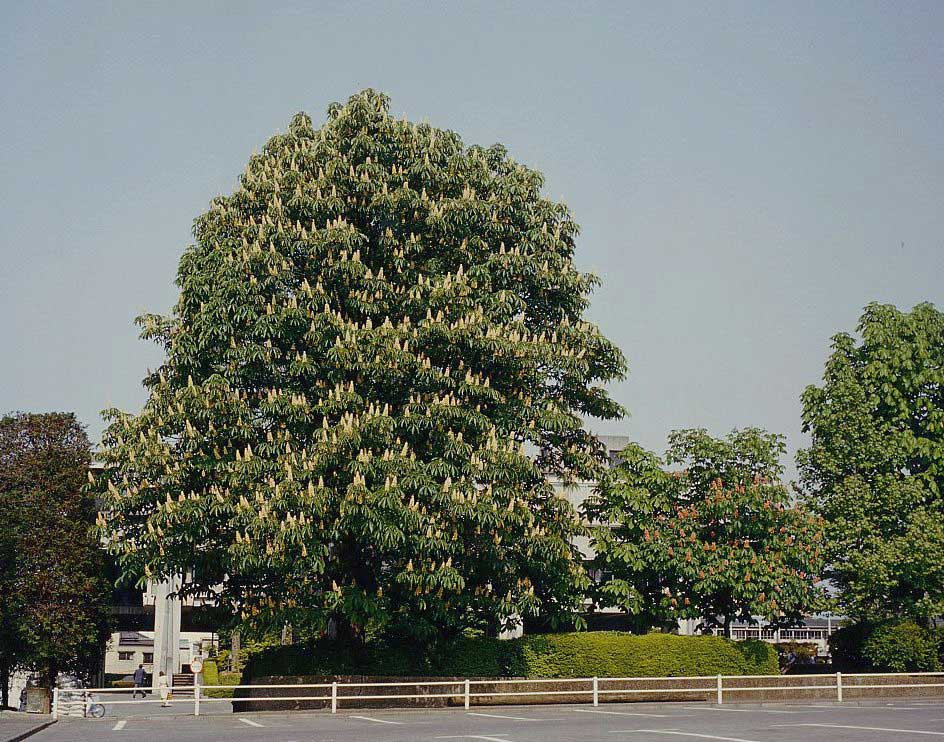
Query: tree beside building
[
  {"x": 708, "y": 533},
  {"x": 53, "y": 594}
]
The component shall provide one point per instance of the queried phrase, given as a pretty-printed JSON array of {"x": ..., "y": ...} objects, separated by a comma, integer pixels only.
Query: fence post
[
  {"x": 467, "y": 694},
  {"x": 55, "y": 703},
  {"x": 334, "y": 697},
  {"x": 839, "y": 687},
  {"x": 87, "y": 705},
  {"x": 596, "y": 691},
  {"x": 196, "y": 697},
  {"x": 720, "y": 691}
]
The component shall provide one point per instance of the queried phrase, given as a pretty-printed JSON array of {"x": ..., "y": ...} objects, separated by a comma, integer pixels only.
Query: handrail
[{"x": 466, "y": 688}]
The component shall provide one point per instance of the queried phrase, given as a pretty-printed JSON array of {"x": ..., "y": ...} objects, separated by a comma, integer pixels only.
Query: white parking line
[
  {"x": 376, "y": 721},
  {"x": 474, "y": 736},
  {"x": 119, "y": 726},
  {"x": 250, "y": 722},
  {"x": 742, "y": 711},
  {"x": 686, "y": 734},
  {"x": 867, "y": 729},
  {"x": 625, "y": 713},
  {"x": 513, "y": 718}
]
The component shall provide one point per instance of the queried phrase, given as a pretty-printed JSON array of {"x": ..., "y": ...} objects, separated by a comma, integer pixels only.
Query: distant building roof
[
  {"x": 134, "y": 639},
  {"x": 614, "y": 442},
  {"x": 137, "y": 639}
]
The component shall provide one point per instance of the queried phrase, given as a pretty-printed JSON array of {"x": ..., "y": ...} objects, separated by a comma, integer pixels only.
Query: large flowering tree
[{"x": 378, "y": 357}]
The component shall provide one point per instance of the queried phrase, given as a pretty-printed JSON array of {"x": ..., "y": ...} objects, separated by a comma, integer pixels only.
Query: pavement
[
  {"x": 17, "y": 726},
  {"x": 633, "y": 722}
]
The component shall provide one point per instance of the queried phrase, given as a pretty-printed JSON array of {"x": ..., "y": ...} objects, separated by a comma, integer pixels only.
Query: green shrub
[
  {"x": 211, "y": 673},
  {"x": 249, "y": 647},
  {"x": 600, "y": 653},
  {"x": 902, "y": 646},
  {"x": 213, "y": 676}
]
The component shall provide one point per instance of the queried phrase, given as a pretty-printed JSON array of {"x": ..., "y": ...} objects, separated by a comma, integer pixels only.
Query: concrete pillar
[
  {"x": 167, "y": 628},
  {"x": 516, "y": 631}
]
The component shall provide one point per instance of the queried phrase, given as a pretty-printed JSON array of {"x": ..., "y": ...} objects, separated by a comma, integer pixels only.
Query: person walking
[
  {"x": 163, "y": 688},
  {"x": 140, "y": 675}
]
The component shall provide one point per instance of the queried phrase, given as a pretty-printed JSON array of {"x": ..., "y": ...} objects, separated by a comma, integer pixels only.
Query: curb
[{"x": 32, "y": 731}]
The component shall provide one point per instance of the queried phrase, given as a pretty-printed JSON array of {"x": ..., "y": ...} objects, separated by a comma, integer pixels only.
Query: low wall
[
  {"x": 823, "y": 688},
  {"x": 348, "y": 697},
  {"x": 495, "y": 692},
  {"x": 483, "y": 692}
]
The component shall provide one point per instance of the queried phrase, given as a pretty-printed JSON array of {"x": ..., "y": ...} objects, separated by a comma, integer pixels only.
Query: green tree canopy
[
  {"x": 53, "y": 595},
  {"x": 875, "y": 467},
  {"x": 377, "y": 357},
  {"x": 717, "y": 539}
]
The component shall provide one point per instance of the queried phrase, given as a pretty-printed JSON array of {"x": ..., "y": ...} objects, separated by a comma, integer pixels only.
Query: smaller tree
[
  {"x": 53, "y": 593},
  {"x": 718, "y": 539}
]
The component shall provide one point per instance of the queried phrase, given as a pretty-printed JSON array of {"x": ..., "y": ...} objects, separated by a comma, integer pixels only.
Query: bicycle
[{"x": 92, "y": 707}]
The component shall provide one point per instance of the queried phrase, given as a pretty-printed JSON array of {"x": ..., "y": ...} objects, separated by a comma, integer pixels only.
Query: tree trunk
[
  {"x": 4, "y": 685},
  {"x": 52, "y": 672},
  {"x": 341, "y": 629},
  {"x": 234, "y": 652},
  {"x": 727, "y": 626}
]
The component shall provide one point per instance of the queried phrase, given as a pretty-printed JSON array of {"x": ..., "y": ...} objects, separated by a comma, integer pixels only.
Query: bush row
[{"x": 585, "y": 654}]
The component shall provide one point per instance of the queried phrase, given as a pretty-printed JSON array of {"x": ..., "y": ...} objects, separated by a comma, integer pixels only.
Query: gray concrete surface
[
  {"x": 15, "y": 726},
  {"x": 864, "y": 722}
]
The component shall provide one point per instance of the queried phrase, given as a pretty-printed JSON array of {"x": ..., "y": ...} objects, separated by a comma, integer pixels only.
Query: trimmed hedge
[
  {"x": 213, "y": 676},
  {"x": 584, "y": 654}
]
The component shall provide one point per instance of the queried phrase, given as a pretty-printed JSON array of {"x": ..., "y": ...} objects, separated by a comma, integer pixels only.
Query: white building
[{"x": 128, "y": 649}]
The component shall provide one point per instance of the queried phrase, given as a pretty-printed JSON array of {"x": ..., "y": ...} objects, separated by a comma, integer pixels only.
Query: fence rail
[{"x": 65, "y": 701}]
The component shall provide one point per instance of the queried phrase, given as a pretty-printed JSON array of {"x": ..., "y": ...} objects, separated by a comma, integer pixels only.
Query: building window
[
  {"x": 148, "y": 658},
  {"x": 126, "y": 655}
]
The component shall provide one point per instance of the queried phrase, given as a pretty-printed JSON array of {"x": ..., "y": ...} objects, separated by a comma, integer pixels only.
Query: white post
[
  {"x": 55, "y": 703},
  {"x": 839, "y": 687},
  {"x": 467, "y": 695},
  {"x": 88, "y": 704},
  {"x": 334, "y": 697},
  {"x": 196, "y": 696},
  {"x": 596, "y": 691},
  {"x": 167, "y": 610},
  {"x": 720, "y": 691}
]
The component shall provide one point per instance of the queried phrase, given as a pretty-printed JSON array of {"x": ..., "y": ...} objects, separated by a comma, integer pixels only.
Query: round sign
[{"x": 196, "y": 664}]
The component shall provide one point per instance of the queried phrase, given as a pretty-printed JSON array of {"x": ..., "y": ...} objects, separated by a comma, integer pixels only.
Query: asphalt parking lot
[{"x": 898, "y": 720}]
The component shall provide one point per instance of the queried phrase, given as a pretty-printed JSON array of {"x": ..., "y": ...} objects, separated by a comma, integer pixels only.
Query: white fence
[{"x": 595, "y": 690}]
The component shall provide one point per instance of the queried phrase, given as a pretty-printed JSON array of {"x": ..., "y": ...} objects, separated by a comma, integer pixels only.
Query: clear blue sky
[{"x": 747, "y": 175}]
